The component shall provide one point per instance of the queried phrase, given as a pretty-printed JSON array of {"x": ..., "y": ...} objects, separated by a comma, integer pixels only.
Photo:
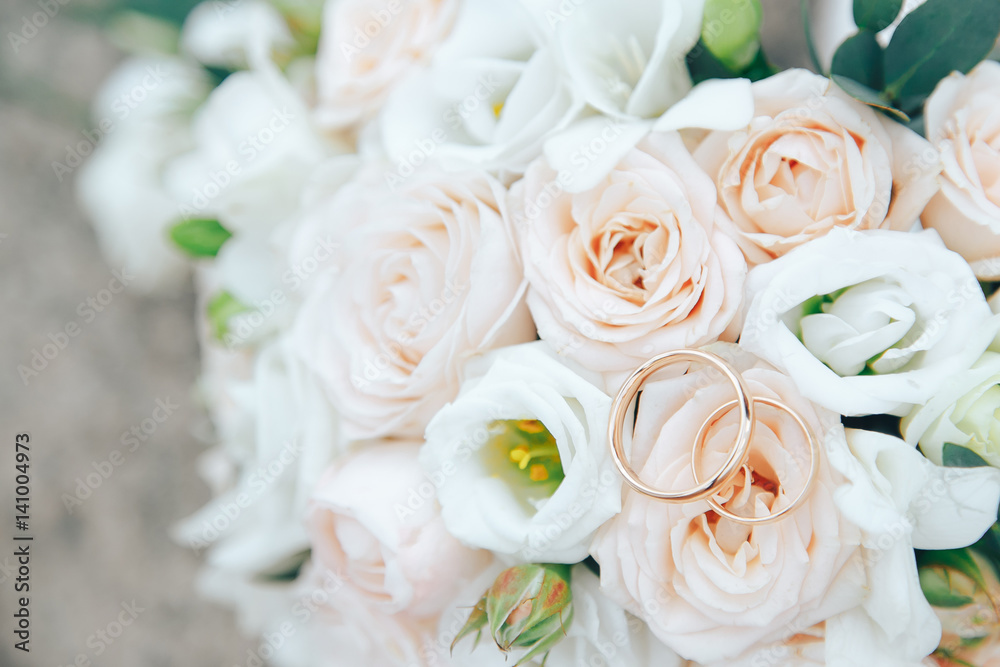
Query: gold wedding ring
[
  {"x": 627, "y": 394},
  {"x": 739, "y": 456},
  {"x": 813, "y": 463}
]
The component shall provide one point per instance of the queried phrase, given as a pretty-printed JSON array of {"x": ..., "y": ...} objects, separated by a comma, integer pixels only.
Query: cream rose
[
  {"x": 962, "y": 412},
  {"x": 365, "y": 526},
  {"x": 521, "y": 459},
  {"x": 369, "y": 46},
  {"x": 708, "y": 587},
  {"x": 963, "y": 122},
  {"x": 868, "y": 322},
  {"x": 429, "y": 278},
  {"x": 813, "y": 159},
  {"x": 634, "y": 266}
]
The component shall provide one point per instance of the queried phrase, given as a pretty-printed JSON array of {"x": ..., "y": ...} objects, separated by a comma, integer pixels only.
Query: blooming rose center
[
  {"x": 528, "y": 456},
  {"x": 628, "y": 256}
]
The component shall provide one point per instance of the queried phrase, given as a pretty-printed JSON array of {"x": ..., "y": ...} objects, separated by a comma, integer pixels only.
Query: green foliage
[
  {"x": 956, "y": 456},
  {"x": 223, "y": 307},
  {"x": 875, "y": 15},
  {"x": 199, "y": 237}
]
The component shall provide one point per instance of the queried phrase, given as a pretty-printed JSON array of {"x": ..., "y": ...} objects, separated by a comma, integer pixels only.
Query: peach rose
[
  {"x": 368, "y": 46},
  {"x": 372, "y": 525},
  {"x": 708, "y": 587},
  {"x": 428, "y": 278},
  {"x": 631, "y": 267},
  {"x": 813, "y": 159},
  {"x": 963, "y": 121}
]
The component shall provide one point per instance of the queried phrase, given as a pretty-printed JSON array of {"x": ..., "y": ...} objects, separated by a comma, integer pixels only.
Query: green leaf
[
  {"x": 859, "y": 58},
  {"x": 937, "y": 38},
  {"x": 960, "y": 560},
  {"x": 956, "y": 456},
  {"x": 286, "y": 570},
  {"x": 703, "y": 65},
  {"x": 199, "y": 237},
  {"x": 876, "y": 15},
  {"x": 872, "y": 98},
  {"x": 936, "y": 585},
  {"x": 223, "y": 307}
]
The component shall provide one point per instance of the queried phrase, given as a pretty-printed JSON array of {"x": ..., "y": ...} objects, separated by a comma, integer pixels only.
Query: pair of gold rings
[{"x": 722, "y": 480}]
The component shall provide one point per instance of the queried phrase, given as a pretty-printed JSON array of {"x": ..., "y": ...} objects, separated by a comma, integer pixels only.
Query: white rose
[
  {"x": 963, "y": 122},
  {"x": 370, "y": 523},
  {"x": 492, "y": 94},
  {"x": 813, "y": 159},
  {"x": 627, "y": 62},
  {"x": 868, "y": 322},
  {"x": 367, "y": 47},
  {"x": 521, "y": 458},
  {"x": 429, "y": 278},
  {"x": 708, "y": 587},
  {"x": 121, "y": 187},
  {"x": 278, "y": 427},
  {"x": 962, "y": 412},
  {"x": 633, "y": 267}
]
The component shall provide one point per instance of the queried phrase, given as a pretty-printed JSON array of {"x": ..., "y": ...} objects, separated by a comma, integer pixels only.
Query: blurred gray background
[{"x": 115, "y": 548}]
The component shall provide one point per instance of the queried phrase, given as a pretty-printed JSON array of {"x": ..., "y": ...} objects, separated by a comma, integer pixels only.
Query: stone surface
[{"x": 114, "y": 548}]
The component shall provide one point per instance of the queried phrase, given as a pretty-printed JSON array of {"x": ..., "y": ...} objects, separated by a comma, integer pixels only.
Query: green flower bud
[
  {"x": 731, "y": 31},
  {"x": 527, "y": 607}
]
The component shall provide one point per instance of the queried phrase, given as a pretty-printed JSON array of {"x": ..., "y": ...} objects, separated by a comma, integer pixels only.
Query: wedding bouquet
[{"x": 576, "y": 332}]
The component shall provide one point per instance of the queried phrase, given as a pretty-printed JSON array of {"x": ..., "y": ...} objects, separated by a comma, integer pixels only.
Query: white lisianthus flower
[
  {"x": 521, "y": 458},
  {"x": 963, "y": 122},
  {"x": 902, "y": 501},
  {"x": 962, "y": 412},
  {"x": 280, "y": 431},
  {"x": 491, "y": 95},
  {"x": 235, "y": 35},
  {"x": 121, "y": 186},
  {"x": 627, "y": 62},
  {"x": 868, "y": 322},
  {"x": 255, "y": 149}
]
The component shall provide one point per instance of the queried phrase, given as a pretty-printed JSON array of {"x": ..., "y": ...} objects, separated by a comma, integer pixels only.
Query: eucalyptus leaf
[
  {"x": 937, "y": 38},
  {"x": 199, "y": 237},
  {"x": 956, "y": 456},
  {"x": 859, "y": 58},
  {"x": 876, "y": 15}
]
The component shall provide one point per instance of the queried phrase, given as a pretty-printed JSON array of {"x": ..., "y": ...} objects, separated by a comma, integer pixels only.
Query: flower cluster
[{"x": 434, "y": 237}]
